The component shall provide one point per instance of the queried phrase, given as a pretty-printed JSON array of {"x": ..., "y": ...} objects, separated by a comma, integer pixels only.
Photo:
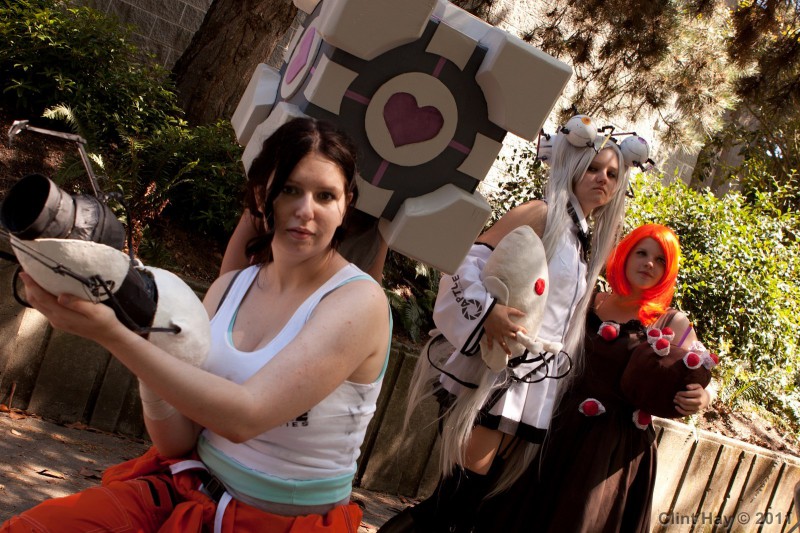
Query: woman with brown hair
[{"x": 265, "y": 436}]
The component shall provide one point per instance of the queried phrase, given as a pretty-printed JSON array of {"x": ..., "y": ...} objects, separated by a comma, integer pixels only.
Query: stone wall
[
  {"x": 166, "y": 27},
  {"x": 163, "y": 27}
]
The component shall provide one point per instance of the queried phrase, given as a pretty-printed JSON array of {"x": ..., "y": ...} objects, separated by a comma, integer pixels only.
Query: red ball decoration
[
  {"x": 661, "y": 347},
  {"x": 642, "y": 419},
  {"x": 538, "y": 287},
  {"x": 692, "y": 360},
  {"x": 608, "y": 332},
  {"x": 591, "y": 407}
]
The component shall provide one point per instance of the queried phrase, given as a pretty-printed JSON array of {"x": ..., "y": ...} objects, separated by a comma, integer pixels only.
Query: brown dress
[{"x": 596, "y": 473}]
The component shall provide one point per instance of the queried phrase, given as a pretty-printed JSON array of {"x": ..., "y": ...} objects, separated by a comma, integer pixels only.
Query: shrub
[
  {"x": 51, "y": 53},
  {"x": 411, "y": 288},
  {"x": 81, "y": 66},
  {"x": 527, "y": 182},
  {"x": 739, "y": 282},
  {"x": 192, "y": 175}
]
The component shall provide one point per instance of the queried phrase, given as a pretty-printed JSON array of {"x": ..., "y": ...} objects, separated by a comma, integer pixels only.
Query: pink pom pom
[
  {"x": 591, "y": 407},
  {"x": 661, "y": 347},
  {"x": 641, "y": 419},
  {"x": 692, "y": 360}
]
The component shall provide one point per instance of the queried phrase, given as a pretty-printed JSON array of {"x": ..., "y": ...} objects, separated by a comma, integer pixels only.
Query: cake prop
[{"x": 651, "y": 380}]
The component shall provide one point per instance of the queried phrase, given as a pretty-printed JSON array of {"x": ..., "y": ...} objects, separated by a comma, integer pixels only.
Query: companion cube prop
[{"x": 427, "y": 91}]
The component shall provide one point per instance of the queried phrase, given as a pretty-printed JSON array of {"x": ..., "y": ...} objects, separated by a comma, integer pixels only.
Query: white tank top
[{"x": 310, "y": 460}]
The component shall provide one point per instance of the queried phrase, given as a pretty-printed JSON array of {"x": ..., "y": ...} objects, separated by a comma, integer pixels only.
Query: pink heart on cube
[
  {"x": 301, "y": 57},
  {"x": 408, "y": 123}
]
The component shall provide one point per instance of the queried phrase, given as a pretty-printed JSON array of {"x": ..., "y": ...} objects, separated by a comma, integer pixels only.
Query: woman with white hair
[{"x": 497, "y": 420}]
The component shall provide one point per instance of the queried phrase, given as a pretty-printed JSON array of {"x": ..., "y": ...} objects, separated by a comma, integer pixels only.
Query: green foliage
[
  {"x": 210, "y": 201},
  {"x": 72, "y": 171},
  {"x": 771, "y": 162},
  {"x": 51, "y": 53},
  {"x": 411, "y": 290},
  {"x": 739, "y": 282},
  {"x": 192, "y": 174},
  {"x": 528, "y": 178},
  {"x": 81, "y": 66}
]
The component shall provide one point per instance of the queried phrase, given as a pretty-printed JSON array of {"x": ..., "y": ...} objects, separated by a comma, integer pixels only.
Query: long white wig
[{"x": 568, "y": 166}]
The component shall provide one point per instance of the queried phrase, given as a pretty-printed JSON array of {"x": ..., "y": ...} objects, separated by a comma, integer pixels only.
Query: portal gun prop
[{"x": 72, "y": 244}]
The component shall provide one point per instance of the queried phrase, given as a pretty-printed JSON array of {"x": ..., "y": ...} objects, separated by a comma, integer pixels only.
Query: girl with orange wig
[
  {"x": 654, "y": 300},
  {"x": 597, "y": 467}
]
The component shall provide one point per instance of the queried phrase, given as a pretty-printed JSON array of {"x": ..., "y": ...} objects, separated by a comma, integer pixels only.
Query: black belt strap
[{"x": 212, "y": 485}]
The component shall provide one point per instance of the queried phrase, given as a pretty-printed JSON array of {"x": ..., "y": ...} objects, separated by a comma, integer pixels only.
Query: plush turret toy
[{"x": 516, "y": 276}]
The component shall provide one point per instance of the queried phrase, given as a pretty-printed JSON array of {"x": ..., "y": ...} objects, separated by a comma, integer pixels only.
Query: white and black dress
[{"x": 522, "y": 403}]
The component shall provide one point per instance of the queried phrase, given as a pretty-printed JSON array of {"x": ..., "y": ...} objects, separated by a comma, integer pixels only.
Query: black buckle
[{"x": 212, "y": 486}]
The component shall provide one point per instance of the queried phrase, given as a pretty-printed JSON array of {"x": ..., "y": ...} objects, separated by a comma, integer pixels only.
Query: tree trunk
[{"x": 236, "y": 35}]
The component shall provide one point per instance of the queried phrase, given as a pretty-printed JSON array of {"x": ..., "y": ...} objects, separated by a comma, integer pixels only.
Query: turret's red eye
[{"x": 539, "y": 286}]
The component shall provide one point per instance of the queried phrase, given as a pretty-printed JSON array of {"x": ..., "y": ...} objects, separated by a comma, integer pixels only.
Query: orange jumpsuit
[{"x": 142, "y": 495}]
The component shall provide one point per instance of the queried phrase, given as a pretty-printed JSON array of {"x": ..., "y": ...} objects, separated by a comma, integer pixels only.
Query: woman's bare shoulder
[
  {"x": 362, "y": 292},
  {"x": 217, "y": 289},
  {"x": 683, "y": 328},
  {"x": 533, "y": 214}
]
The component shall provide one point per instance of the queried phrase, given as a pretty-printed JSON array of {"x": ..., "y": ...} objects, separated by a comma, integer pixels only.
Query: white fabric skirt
[{"x": 522, "y": 397}]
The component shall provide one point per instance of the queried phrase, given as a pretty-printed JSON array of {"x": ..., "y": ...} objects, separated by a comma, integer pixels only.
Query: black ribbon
[{"x": 584, "y": 238}]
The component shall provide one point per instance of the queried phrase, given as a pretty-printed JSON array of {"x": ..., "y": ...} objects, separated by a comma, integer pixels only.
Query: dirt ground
[
  {"x": 42, "y": 460},
  {"x": 182, "y": 253}
]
